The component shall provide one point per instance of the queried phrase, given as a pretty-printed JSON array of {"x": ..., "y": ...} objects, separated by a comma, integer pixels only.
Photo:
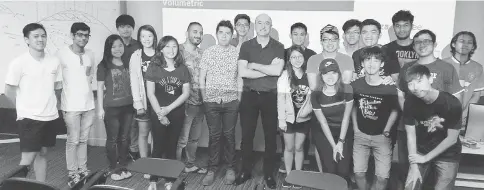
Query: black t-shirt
[
  {"x": 360, "y": 72},
  {"x": 422, "y": 115},
  {"x": 145, "y": 62},
  {"x": 373, "y": 105},
  {"x": 117, "y": 83},
  {"x": 333, "y": 107},
  {"x": 397, "y": 55},
  {"x": 168, "y": 84},
  {"x": 299, "y": 94},
  {"x": 307, "y": 54}
]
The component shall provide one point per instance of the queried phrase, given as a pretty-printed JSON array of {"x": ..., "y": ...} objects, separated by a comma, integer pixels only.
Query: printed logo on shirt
[
  {"x": 145, "y": 65},
  {"x": 170, "y": 84},
  {"x": 406, "y": 56},
  {"x": 299, "y": 95},
  {"x": 433, "y": 76},
  {"x": 121, "y": 86},
  {"x": 433, "y": 122},
  {"x": 369, "y": 105}
]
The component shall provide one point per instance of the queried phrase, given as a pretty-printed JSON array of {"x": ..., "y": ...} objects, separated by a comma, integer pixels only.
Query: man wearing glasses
[
  {"x": 330, "y": 41},
  {"x": 77, "y": 100},
  {"x": 351, "y": 37},
  {"x": 242, "y": 26}
]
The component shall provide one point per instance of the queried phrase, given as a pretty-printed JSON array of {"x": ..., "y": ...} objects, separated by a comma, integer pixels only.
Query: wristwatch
[
  {"x": 341, "y": 140},
  {"x": 386, "y": 133}
]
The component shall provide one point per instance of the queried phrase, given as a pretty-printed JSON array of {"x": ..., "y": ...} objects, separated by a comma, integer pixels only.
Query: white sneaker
[
  {"x": 152, "y": 186},
  {"x": 168, "y": 185},
  {"x": 146, "y": 176}
]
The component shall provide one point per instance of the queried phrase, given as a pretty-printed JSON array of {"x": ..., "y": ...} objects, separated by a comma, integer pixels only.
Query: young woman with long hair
[
  {"x": 294, "y": 108},
  {"x": 115, "y": 105},
  {"x": 332, "y": 104},
  {"x": 168, "y": 87},
  {"x": 138, "y": 65}
]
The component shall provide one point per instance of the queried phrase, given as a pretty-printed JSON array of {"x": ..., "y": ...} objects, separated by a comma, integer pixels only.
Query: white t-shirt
[
  {"x": 76, "y": 80},
  {"x": 35, "y": 81}
]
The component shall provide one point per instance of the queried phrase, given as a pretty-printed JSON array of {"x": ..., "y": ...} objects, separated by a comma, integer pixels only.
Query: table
[{"x": 469, "y": 176}]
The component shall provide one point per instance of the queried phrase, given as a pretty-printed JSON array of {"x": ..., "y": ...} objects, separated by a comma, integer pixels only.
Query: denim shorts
[{"x": 381, "y": 147}]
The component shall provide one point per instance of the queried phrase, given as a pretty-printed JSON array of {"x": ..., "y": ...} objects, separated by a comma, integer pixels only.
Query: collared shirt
[
  {"x": 221, "y": 80},
  {"x": 253, "y": 52},
  {"x": 129, "y": 50},
  {"x": 470, "y": 73},
  {"x": 77, "y": 77},
  {"x": 35, "y": 80},
  {"x": 192, "y": 61}
]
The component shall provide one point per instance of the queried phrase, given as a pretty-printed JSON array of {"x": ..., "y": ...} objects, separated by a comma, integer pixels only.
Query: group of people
[{"x": 353, "y": 101}]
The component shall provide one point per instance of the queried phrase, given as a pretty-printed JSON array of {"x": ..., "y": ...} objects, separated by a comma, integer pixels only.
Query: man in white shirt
[
  {"x": 77, "y": 100},
  {"x": 30, "y": 83}
]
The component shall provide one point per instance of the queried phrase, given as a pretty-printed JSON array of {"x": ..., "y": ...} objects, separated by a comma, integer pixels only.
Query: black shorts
[
  {"x": 297, "y": 127},
  {"x": 35, "y": 134},
  {"x": 145, "y": 116}
]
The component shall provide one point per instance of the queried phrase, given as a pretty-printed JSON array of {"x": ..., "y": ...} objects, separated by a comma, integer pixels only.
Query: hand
[
  {"x": 413, "y": 177},
  {"x": 165, "y": 111},
  {"x": 388, "y": 80},
  {"x": 251, "y": 66},
  {"x": 140, "y": 111},
  {"x": 417, "y": 159},
  {"x": 164, "y": 120},
  {"x": 100, "y": 113},
  {"x": 338, "y": 148},
  {"x": 283, "y": 127},
  {"x": 276, "y": 60}
]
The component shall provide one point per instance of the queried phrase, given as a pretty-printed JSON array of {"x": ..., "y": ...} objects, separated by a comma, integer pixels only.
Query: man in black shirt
[{"x": 432, "y": 121}]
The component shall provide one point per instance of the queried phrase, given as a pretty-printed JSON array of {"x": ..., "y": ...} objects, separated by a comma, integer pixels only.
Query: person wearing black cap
[
  {"x": 332, "y": 103},
  {"x": 125, "y": 26},
  {"x": 375, "y": 112},
  {"x": 294, "y": 109}
]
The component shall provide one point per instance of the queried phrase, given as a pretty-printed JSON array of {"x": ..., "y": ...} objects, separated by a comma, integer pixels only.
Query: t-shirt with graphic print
[
  {"x": 444, "y": 113},
  {"x": 117, "y": 83},
  {"x": 386, "y": 70},
  {"x": 168, "y": 84},
  {"x": 333, "y": 107},
  {"x": 397, "y": 55},
  {"x": 145, "y": 63},
  {"x": 445, "y": 77},
  {"x": 373, "y": 105},
  {"x": 192, "y": 62},
  {"x": 300, "y": 93}
]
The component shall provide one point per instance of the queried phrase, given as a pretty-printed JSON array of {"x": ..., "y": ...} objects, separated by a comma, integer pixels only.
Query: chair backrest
[
  {"x": 23, "y": 183},
  {"x": 108, "y": 187},
  {"x": 475, "y": 122}
]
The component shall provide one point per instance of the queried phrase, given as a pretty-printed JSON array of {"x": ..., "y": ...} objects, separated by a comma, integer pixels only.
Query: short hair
[
  {"x": 369, "y": 52},
  {"x": 31, "y": 27},
  {"x": 124, "y": 20},
  {"x": 402, "y": 15},
  {"x": 330, "y": 32},
  {"x": 225, "y": 23},
  {"x": 461, "y": 33},
  {"x": 368, "y": 22},
  {"x": 425, "y": 31},
  {"x": 299, "y": 25},
  {"x": 350, "y": 23},
  {"x": 241, "y": 16},
  {"x": 416, "y": 71},
  {"x": 80, "y": 26},
  {"x": 192, "y": 24}
]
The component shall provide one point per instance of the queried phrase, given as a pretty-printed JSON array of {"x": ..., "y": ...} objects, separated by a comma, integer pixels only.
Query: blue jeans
[
  {"x": 445, "y": 173},
  {"x": 117, "y": 121},
  {"x": 190, "y": 133},
  {"x": 221, "y": 120},
  {"x": 381, "y": 147},
  {"x": 78, "y": 125}
]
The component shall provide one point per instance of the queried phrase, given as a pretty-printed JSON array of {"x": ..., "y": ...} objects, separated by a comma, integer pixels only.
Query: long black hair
[
  {"x": 159, "y": 58},
  {"x": 148, "y": 28},
  {"x": 108, "y": 54},
  {"x": 288, "y": 67}
]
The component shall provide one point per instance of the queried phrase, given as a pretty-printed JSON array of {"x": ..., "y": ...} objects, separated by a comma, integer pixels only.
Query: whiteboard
[{"x": 57, "y": 18}]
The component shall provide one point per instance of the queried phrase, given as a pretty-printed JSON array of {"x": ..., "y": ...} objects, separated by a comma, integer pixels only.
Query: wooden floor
[{"x": 10, "y": 157}]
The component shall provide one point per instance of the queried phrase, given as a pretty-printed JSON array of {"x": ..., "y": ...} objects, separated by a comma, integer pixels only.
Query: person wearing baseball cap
[{"x": 332, "y": 104}]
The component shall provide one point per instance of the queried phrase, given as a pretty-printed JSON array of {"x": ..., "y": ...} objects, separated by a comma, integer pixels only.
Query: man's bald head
[{"x": 263, "y": 25}]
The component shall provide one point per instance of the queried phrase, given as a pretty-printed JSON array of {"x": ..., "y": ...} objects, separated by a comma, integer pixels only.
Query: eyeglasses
[
  {"x": 80, "y": 35},
  {"x": 425, "y": 42},
  {"x": 326, "y": 40},
  {"x": 297, "y": 57}
]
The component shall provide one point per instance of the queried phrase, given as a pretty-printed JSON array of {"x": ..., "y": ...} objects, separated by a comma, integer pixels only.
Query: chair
[
  {"x": 475, "y": 122},
  {"x": 108, "y": 187},
  {"x": 24, "y": 183},
  {"x": 317, "y": 180}
]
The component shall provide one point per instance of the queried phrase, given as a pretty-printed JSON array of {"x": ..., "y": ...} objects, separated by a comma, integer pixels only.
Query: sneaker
[
  {"x": 73, "y": 179},
  {"x": 117, "y": 176},
  {"x": 168, "y": 185},
  {"x": 126, "y": 174},
  {"x": 208, "y": 179},
  {"x": 296, "y": 186},
  {"x": 285, "y": 184},
  {"x": 147, "y": 176},
  {"x": 195, "y": 169},
  {"x": 282, "y": 168},
  {"x": 152, "y": 186},
  {"x": 229, "y": 177},
  {"x": 134, "y": 155},
  {"x": 83, "y": 173}
]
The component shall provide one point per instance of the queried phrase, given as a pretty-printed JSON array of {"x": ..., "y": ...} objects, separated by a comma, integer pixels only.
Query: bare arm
[
  {"x": 346, "y": 120},
  {"x": 324, "y": 126},
  {"x": 411, "y": 139},
  {"x": 11, "y": 93},
  {"x": 202, "y": 78},
  {"x": 100, "y": 94},
  {"x": 395, "y": 76},
  {"x": 182, "y": 98},
  {"x": 248, "y": 73},
  {"x": 451, "y": 139},
  {"x": 150, "y": 93},
  {"x": 274, "y": 69},
  {"x": 401, "y": 98},
  {"x": 353, "y": 118},
  {"x": 391, "y": 120},
  {"x": 240, "y": 86}
]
